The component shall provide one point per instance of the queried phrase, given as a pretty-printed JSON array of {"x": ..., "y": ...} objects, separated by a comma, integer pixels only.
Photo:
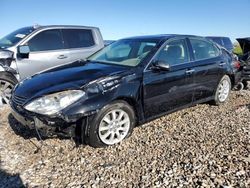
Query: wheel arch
[
  {"x": 8, "y": 75},
  {"x": 232, "y": 79},
  {"x": 134, "y": 104}
]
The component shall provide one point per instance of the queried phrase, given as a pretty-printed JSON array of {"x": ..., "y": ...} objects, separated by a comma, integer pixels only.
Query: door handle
[
  {"x": 61, "y": 57},
  {"x": 189, "y": 71},
  {"x": 222, "y": 63}
]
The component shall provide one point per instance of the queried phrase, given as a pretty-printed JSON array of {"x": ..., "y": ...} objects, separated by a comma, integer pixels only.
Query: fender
[
  {"x": 92, "y": 104},
  {"x": 9, "y": 70}
]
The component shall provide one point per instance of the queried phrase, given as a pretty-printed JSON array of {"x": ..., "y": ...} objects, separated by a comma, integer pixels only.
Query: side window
[
  {"x": 174, "y": 52},
  {"x": 203, "y": 49},
  {"x": 78, "y": 38},
  {"x": 46, "y": 40}
]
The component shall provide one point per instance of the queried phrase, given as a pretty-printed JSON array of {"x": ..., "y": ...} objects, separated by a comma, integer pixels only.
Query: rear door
[
  {"x": 167, "y": 90},
  {"x": 46, "y": 51},
  {"x": 209, "y": 67},
  {"x": 80, "y": 43}
]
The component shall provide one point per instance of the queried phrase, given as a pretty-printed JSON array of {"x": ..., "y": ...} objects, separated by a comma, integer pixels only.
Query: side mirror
[
  {"x": 161, "y": 65},
  {"x": 23, "y": 51}
]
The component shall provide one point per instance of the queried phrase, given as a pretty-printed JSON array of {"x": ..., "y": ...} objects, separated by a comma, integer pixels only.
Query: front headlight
[{"x": 53, "y": 103}]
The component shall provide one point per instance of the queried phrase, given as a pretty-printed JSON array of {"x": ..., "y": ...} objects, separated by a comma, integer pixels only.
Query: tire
[
  {"x": 7, "y": 83},
  {"x": 223, "y": 90},
  {"x": 245, "y": 83},
  {"x": 98, "y": 127}
]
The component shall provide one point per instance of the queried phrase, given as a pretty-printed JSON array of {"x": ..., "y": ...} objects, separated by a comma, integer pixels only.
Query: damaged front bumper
[{"x": 44, "y": 126}]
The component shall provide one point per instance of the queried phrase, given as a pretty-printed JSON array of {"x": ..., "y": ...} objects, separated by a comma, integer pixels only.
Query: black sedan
[{"x": 131, "y": 81}]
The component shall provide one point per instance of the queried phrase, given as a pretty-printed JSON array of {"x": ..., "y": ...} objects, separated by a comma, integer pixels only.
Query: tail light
[{"x": 236, "y": 64}]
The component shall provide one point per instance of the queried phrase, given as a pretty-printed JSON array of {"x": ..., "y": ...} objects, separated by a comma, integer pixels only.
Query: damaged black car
[{"x": 131, "y": 81}]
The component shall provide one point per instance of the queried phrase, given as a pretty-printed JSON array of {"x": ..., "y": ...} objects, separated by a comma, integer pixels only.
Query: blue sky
[{"x": 123, "y": 18}]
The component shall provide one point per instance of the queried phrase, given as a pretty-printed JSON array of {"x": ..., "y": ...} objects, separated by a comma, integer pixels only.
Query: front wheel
[
  {"x": 223, "y": 90},
  {"x": 7, "y": 83},
  {"x": 111, "y": 125}
]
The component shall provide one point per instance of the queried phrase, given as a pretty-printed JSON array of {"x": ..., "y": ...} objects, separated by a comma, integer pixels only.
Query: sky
[{"x": 123, "y": 18}]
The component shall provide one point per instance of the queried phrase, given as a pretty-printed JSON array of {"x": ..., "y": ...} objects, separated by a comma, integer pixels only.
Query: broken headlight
[{"x": 53, "y": 103}]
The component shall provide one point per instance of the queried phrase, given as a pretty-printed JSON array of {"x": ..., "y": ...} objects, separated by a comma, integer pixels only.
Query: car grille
[{"x": 19, "y": 100}]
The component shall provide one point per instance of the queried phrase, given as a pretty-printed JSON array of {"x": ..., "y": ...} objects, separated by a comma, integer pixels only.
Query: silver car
[{"x": 29, "y": 50}]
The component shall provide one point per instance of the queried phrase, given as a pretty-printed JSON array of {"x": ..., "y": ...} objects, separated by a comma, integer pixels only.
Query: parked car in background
[
  {"x": 29, "y": 50},
  {"x": 127, "y": 83},
  {"x": 245, "y": 60},
  {"x": 222, "y": 41}
]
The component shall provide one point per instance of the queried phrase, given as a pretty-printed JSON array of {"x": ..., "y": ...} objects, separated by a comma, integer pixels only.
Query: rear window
[
  {"x": 78, "y": 38},
  {"x": 227, "y": 42},
  {"x": 204, "y": 49}
]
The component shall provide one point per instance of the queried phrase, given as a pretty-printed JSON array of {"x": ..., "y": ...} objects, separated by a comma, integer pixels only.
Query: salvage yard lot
[{"x": 202, "y": 145}]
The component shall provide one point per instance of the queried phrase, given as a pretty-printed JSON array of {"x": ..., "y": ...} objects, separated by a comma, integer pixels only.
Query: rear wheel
[
  {"x": 223, "y": 90},
  {"x": 245, "y": 83},
  {"x": 111, "y": 125},
  {"x": 7, "y": 83}
]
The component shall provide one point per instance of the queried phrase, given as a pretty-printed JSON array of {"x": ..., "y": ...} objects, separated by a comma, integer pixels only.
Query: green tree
[{"x": 237, "y": 49}]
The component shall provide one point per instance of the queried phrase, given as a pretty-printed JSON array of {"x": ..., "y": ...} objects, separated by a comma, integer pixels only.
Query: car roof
[
  {"x": 217, "y": 37},
  {"x": 62, "y": 26},
  {"x": 160, "y": 37}
]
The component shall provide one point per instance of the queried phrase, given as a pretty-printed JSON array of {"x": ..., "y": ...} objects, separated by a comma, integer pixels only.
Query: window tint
[
  {"x": 174, "y": 52},
  {"x": 78, "y": 38},
  {"x": 203, "y": 49},
  {"x": 46, "y": 40}
]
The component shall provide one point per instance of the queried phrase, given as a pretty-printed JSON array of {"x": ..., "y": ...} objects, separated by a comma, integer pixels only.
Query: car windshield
[
  {"x": 126, "y": 52},
  {"x": 14, "y": 37}
]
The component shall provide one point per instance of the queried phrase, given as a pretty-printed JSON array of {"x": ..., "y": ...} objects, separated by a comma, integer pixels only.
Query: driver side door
[
  {"x": 167, "y": 90},
  {"x": 46, "y": 51}
]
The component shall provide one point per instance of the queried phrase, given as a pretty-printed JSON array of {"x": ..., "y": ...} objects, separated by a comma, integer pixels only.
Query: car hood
[
  {"x": 244, "y": 44},
  {"x": 71, "y": 76}
]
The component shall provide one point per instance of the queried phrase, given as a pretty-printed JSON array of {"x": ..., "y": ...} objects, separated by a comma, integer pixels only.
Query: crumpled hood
[
  {"x": 244, "y": 44},
  {"x": 70, "y": 76}
]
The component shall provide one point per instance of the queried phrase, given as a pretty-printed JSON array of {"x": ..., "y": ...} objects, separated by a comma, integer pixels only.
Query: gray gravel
[{"x": 203, "y": 146}]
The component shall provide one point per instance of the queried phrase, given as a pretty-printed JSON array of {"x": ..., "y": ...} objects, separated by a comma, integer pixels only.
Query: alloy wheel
[
  {"x": 224, "y": 89},
  {"x": 114, "y": 127}
]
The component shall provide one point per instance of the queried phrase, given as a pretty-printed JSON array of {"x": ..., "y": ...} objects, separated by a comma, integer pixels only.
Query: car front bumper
[{"x": 43, "y": 125}]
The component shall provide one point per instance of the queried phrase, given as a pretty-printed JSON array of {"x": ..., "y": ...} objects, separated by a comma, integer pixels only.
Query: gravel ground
[{"x": 203, "y": 146}]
